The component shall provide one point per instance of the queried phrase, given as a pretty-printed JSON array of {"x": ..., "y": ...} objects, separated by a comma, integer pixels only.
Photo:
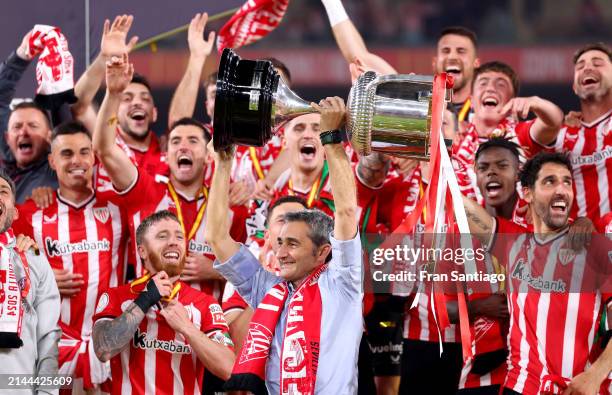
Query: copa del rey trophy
[{"x": 391, "y": 114}]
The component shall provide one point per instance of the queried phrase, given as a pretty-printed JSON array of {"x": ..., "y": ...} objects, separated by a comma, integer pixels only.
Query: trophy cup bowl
[{"x": 391, "y": 114}]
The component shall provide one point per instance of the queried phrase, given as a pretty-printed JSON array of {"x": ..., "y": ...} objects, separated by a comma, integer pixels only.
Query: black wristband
[
  {"x": 331, "y": 137},
  {"x": 148, "y": 297}
]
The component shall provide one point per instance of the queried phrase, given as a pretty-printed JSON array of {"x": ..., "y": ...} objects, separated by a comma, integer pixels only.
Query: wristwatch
[{"x": 331, "y": 136}]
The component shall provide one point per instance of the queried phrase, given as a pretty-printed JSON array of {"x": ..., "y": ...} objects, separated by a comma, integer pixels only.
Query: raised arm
[
  {"x": 480, "y": 222},
  {"x": 113, "y": 44},
  {"x": 120, "y": 168},
  {"x": 184, "y": 99},
  {"x": 11, "y": 71},
  {"x": 549, "y": 117},
  {"x": 349, "y": 40},
  {"x": 217, "y": 232},
  {"x": 341, "y": 174}
]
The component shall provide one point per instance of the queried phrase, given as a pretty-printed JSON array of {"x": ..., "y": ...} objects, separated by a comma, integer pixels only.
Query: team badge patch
[
  {"x": 101, "y": 213},
  {"x": 566, "y": 255},
  {"x": 217, "y": 314},
  {"x": 102, "y": 303}
]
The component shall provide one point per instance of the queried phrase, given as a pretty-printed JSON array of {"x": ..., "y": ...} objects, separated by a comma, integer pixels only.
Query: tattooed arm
[
  {"x": 110, "y": 336},
  {"x": 372, "y": 169},
  {"x": 481, "y": 222}
]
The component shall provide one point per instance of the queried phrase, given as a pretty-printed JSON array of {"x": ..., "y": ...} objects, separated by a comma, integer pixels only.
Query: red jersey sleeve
[
  {"x": 240, "y": 214},
  {"x": 109, "y": 305},
  {"x": 213, "y": 318},
  {"x": 23, "y": 223},
  {"x": 526, "y": 140},
  {"x": 504, "y": 234},
  {"x": 214, "y": 324},
  {"x": 137, "y": 194},
  {"x": 232, "y": 301}
]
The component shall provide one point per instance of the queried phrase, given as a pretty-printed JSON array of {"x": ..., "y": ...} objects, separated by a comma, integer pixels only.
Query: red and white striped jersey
[
  {"x": 87, "y": 239},
  {"x": 590, "y": 150},
  {"x": 465, "y": 151},
  {"x": 152, "y": 161},
  {"x": 158, "y": 360},
  {"x": 149, "y": 195},
  {"x": 555, "y": 296}
]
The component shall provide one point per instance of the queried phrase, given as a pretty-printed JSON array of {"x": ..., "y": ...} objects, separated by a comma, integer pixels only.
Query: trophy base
[{"x": 243, "y": 102}]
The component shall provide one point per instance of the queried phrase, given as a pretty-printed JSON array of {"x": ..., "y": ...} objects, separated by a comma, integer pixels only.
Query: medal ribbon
[
  {"x": 313, "y": 191},
  {"x": 464, "y": 110},
  {"x": 146, "y": 278},
  {"x": 179, "y": 212},
  {"x": 256, "y": 163}
]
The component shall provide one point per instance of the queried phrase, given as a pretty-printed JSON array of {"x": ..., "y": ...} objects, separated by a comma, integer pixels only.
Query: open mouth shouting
[
  {"x": 559, "y": 206},
  {"x": 453, "y": 69},
  {"x": 308, "y": 151},
  {"x": 493, "y": 189},
  {"x": 25, "y": 147},
  {"x": 490, "y": 101},
  {"x": 138, "y": 116},
  {"x": 589, "y": 80},
  {"x": 184, "y": 162}
]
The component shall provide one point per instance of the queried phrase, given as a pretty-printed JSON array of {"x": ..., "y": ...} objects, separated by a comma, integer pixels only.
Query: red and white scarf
[
  {"x": 299, "y": 356},
  {"x": 252, "y": 22},
  {"x": 55, "y": 67},
  {"x": 12, "y": 293}
]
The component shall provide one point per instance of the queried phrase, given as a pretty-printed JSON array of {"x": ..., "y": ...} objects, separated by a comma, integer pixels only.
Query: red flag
[{"x": 252, "y": 22}]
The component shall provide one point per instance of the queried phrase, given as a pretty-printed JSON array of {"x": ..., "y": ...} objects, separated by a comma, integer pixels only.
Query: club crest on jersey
[
  {"x": 102, "y": 214},
  {"x": 102, "y": 303},
  {"x": 566, "y": 255},
  {"x": 257, "y": 343},
  {"x": 51, "y": 219},
  {"x": 142, "y": 341}
]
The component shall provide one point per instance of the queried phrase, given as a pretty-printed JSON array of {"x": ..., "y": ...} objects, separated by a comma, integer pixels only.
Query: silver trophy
[{"x": 391, "y": 114}]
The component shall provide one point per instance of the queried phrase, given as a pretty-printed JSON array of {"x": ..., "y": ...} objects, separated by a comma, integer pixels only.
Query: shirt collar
[{"x": 7, "y": 238}]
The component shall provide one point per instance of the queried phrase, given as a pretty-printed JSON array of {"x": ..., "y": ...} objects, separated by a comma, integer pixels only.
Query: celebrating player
[
  {"x": 555, "y": 295},
  {"x": 152, "y": 328},
  {"x": 81, "y": 234}
]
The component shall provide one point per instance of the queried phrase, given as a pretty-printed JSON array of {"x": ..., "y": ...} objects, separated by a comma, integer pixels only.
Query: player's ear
[
  {"x": 528, "y": 195},
  {"x": 323, "y": 252},
  {"x": 142, "y": 252}
]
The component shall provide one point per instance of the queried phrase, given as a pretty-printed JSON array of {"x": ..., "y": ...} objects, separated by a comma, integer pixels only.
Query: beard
[
  {"x": 8, "y": 221},
  {"x": 138, "y": 136},
  {"x": 158, "y": 264},
  {"x": 554, "y": 223}
]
